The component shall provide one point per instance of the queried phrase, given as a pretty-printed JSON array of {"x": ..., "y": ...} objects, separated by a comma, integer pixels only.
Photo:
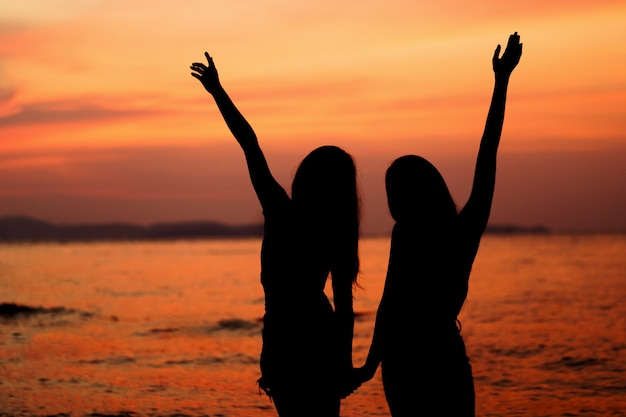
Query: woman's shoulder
[{"x": 278, "y": 207}]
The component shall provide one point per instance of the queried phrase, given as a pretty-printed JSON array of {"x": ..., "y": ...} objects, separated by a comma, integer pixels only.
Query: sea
[{"x": 173, "y": 328}]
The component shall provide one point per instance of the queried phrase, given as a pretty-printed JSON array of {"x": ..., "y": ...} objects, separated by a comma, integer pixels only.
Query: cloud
[
  {"x": 6, "y": 93},
  {"x": 7, "y": 90},
  {"x": 65, "y": 112}
]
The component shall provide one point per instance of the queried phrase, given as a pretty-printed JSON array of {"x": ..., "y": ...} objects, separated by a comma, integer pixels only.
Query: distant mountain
[
  {"x": 26, "y": 229},
  {"x": 506, "y": 229}
]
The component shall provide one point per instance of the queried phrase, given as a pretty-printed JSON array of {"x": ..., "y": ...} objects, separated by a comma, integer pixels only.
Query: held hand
[
  {"x": 351, "y": 383},
  {"x": 365, "y": 373},
  {"x": 503, "y": 66},
  {"x": 206, "y": 74}
]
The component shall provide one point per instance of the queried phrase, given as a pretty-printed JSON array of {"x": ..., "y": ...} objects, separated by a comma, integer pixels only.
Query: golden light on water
[
  {"x": 173, "y": 327},
  {"x": 79, "y": 79}
]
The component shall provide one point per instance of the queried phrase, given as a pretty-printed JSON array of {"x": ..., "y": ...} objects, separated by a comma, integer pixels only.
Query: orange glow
[{"x": 380, "y": 79}]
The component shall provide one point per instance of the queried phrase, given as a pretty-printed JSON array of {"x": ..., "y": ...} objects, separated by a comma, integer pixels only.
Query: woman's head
[
  {"x": 325, "y": 183},
  {"x": 417, "y": 193},
  {"x": 326, "y": 198}
]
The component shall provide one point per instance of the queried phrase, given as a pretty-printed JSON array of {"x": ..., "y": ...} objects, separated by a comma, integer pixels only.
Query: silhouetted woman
[
  {"x": 307, "y": 344},
  {"x": 417, "y": 336}
]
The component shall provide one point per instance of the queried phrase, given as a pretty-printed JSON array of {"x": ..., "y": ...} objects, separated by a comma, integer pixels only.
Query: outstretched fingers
[
  {"x": 197, "y": 70},
  {"x": 514, "y": 45},
  {"x": 505, "y": 64},
  {"x": 209, "y": 59},
  {"x": 201, "y": 67},
  {"x": 496, "y": 53},
  {"x": 513, "y": 50},
  {"x": 496, "y": 57},
  {"x": 206, "y": 73},
  {"x": 513, "y": 40}
]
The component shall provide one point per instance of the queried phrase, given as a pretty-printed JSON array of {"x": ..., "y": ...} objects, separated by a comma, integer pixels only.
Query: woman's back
[{"x": 305, "y": 341}]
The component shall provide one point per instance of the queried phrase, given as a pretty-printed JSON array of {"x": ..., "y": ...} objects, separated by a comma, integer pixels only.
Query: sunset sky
[{"x": 100, "y": 119}]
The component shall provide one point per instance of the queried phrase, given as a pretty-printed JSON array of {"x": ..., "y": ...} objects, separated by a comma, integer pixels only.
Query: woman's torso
[{"x": 427, "y": 284}]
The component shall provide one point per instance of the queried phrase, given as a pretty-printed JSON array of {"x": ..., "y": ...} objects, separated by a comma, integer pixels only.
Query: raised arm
[
  {"x": 263, "y": 182},
  {"x": 476, "y": 212}
]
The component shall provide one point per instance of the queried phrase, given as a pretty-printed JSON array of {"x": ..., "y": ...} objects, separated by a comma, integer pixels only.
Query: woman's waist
[
  {"x": 423, "y": 325},
  {"x": 297, "y": 304},
  {"x": 427, "y": 338}
]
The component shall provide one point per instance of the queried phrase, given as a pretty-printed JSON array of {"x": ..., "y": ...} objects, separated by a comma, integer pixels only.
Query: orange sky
[{"x": 101, "y": 121}]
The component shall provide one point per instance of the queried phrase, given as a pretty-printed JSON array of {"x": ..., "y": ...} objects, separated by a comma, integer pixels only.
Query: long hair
[
  {"x": 418, "y": 194},
  {"x": 326, "y": 199}
]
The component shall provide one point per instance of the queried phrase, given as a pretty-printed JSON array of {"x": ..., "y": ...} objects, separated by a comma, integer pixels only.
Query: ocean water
[{"x": 173, "y": 328}]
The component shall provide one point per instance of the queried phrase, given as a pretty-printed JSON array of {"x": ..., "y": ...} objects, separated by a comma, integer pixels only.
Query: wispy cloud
[
  {"x": 6, "y": 94},
  {"x": 66, "y": 112}
]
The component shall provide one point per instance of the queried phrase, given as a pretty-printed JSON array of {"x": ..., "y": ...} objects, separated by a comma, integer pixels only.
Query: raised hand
[
  {"x": 206, "y": 74},
  {"x": 503, "y": 66}
]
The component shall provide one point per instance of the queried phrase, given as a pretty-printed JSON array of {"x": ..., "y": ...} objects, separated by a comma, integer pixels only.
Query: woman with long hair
[
  {"x": 417, "y": 336},
  {"x": 306, "y": 358}
]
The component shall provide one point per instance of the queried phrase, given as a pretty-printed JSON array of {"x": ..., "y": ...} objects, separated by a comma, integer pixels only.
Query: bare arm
[
  {"x": 476, "y": 212},
  {"x": 374, "y": 355},
  {"x": 344, "y": 311},
  {"x": 262, "y": 180},
  {"x": 343, "y": 300},
  {"x": 382, "y": 323}
]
